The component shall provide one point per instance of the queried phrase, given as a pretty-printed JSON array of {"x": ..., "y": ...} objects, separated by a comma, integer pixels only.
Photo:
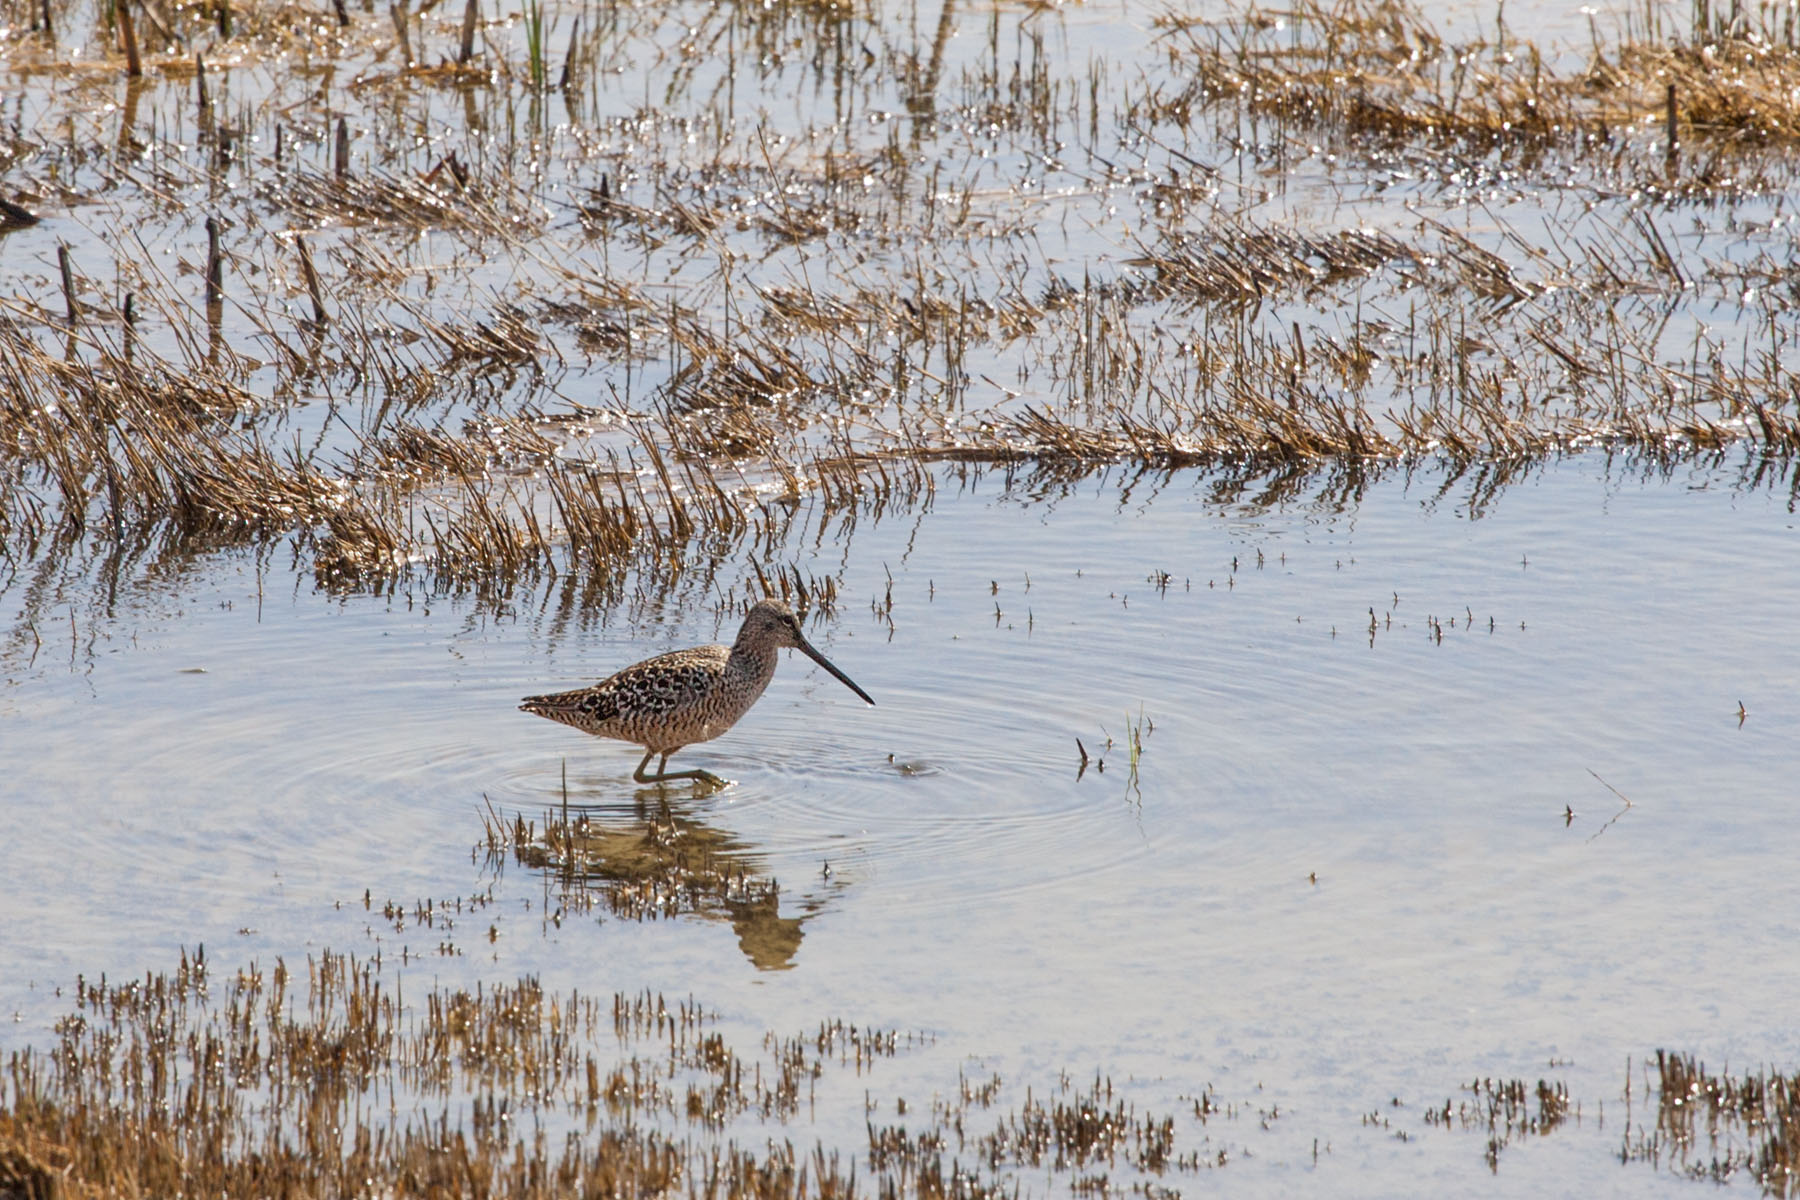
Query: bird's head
[{"x": 773, "y": 623}]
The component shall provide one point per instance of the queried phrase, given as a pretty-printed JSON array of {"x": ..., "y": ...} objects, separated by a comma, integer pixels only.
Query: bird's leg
[{"x": 665, "y": 776}]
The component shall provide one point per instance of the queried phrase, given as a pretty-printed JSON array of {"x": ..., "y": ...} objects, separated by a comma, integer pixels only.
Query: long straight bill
[{"x": 806, "y": 648}]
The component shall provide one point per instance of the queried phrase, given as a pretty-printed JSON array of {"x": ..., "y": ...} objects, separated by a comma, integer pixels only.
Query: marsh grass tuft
[
  {"x": 1508, "y": 1111},
  {"x": 1689, "y": 1121},
  {"x": 1220, "y": 332},
  {"x": 325, "y": 1080},
  {"x": 1717, "y": 1126}
]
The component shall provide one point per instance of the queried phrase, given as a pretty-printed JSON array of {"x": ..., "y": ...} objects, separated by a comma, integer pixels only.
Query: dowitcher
[{"x": 686, "y": 696}]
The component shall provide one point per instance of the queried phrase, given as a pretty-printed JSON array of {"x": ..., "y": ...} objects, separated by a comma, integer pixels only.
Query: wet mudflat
[{"x": 1310, "y": 492}]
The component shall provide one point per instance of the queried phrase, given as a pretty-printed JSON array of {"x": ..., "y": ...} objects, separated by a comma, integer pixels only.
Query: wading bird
[{"x": 686, "y": 696}]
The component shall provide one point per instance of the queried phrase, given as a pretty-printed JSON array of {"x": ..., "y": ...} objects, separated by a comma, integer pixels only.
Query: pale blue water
[
  {"x": 1350, "y": 870},
  {"x": 1344, "y": 875}
]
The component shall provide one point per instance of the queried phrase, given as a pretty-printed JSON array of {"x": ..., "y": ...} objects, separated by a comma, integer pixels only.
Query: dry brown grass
[
  {"x": 1718, "y": 1126},
  {"x": 278, "y": 1081},
  {"x": 541, "y": 352},
  {"x": 1693, "y": 1123},
  {"x": 1378, "y": 70},
  {"x": 275, "y": 1083},
  {"x": 1504, "y": 1110},
  {"x": 114, "y": 444}
]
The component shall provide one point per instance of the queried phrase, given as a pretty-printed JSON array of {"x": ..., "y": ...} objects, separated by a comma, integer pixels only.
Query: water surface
[{"x": 1354, "y": 870}]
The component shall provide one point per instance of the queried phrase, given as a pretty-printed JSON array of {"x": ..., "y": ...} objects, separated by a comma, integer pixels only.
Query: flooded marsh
[{"x": 1310, "y": 492}]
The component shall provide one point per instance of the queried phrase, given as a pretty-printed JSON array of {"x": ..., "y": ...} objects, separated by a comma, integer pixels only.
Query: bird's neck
[{"x": 753, "y": 661}]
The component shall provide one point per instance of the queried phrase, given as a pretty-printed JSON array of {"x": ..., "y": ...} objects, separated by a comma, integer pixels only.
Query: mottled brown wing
[
  {"x": 641, "y": 695},
  {"x": 661, "y": 686}
]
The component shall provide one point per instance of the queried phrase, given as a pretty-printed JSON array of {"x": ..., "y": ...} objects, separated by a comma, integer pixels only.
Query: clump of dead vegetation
[
  {"x": 129, "y": 442},
  {"x": 326, "y": 1080},
  {"x": 1721, "y": 1126},
  {"x": 1507, "y": 1110},
  {"x": 1378, "y": 72},
  {"x": 1687, "y": 1120},
  {"x": 1092, "y": 1137},
  {"x": 274, "y": 1081},
  {"x": 1083, "y": 1130},
  {"x": 648, "y": 339}
]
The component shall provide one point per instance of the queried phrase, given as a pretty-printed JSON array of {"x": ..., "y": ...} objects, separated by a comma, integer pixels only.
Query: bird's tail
[
  {"x": 582, "y": 708},
  {"x": 559, "y": 706}
]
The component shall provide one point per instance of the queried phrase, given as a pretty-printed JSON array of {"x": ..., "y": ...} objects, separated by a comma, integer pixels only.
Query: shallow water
[
  {"x": 1375, "y": 846},
  {"x": 1349, "y": 871}
]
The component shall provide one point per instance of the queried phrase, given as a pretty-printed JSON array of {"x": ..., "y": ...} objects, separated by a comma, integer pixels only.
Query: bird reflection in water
[{"x": 655, "y": 860}]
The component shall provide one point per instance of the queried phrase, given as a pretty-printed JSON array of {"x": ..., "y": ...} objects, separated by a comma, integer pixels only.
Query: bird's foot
[
  {"x": 704, "y": 782},
  {"x": 706, "y": 779}
]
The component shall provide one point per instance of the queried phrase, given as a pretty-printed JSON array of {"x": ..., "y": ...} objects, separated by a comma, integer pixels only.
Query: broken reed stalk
[
  {"x": 1672, "y": 145},
  {"x": 312, "y": 281},
  {"x": 134, "y": 65},
  {"x": 398, "y": 13},
  {"x": 568, "y": 71},
  {"x": 215, "y": 265},
  {"x": 68, "y": 283},
  {"x": 471, "y": 14},
  {"x": 343, "y": 14},
  {"x": 343, "y": 147},
  {"x": 201, "y": 97}
]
